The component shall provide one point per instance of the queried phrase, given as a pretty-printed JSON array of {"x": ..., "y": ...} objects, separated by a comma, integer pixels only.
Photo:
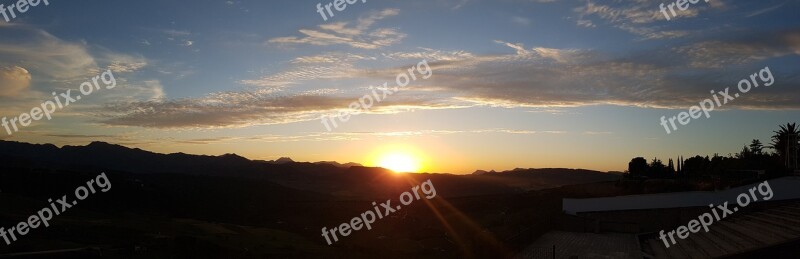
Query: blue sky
[{"x": 536, "y": 83}]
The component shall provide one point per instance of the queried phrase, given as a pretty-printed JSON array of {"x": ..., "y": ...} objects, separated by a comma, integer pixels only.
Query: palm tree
[{"x": 780, "y": 140}]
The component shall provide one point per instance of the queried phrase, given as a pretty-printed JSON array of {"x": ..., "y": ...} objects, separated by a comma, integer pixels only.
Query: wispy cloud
[
  {"x": 44, "y": 54},
  {"x": 766, "y": 10},
  {"x": 430, "y": 54},
  {"x": 633, "y": 16},
  {"x": 14, "y": 79},
  {"x": 303, "y": 72},
  {"x": 761, "y": 46},
  {"x": 536, "y": 77},
  {"x": 351, "y": 136},
  {"x": 358, "y": 35},
  {"x": 241, "y": 109}
]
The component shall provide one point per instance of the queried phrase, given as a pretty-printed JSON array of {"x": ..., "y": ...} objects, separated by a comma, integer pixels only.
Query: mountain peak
[
  {"x": 233, "y": 156},
  {"x": 483, "y": 172},
  {"x": 104, "y": 146},
  {"x": 99, "y": 144},
  {"x": 337, "y": 164},
  {"x": 284, "y": 160}
]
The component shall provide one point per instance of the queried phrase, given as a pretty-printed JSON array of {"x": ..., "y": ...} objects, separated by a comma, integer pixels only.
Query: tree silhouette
[
  {"x": 696, "y": 166},
  {"x": 671, "y": 166},
  {"x": 756, "y": 147},
  {"x": 638, "y": 166},
  {"x": 752, "y": 157},
  {"x": 657, "y": 168},
  {"x": 745, "y": 153},
  {"x": 781, "y": 138}
]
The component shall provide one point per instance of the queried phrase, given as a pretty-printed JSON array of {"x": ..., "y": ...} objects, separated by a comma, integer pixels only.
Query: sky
[{"x": 507, "y": 84}]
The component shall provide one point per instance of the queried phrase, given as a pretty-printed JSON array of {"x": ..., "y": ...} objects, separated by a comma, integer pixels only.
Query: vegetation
[{"x": 751, "y": 159}]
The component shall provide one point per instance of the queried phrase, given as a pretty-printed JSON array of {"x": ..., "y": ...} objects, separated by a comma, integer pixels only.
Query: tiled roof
[{"x": 738, "y": 234}]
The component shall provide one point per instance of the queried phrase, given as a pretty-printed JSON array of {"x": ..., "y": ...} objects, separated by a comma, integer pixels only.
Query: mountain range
[{"x": 331, "y": 178}]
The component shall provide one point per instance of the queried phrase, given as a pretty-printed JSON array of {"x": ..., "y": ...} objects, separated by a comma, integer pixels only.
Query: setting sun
[
  {"x": 400, "y": 158},
  {"x": 399, "y": 162}
]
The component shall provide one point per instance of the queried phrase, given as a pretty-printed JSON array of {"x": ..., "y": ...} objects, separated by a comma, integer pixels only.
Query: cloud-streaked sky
[{"x": 516, "y": 83}]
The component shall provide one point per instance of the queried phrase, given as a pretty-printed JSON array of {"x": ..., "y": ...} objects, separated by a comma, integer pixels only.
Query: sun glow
[
  {"x": 400, "y": 159},
  {"x": 399, "y": 162}
]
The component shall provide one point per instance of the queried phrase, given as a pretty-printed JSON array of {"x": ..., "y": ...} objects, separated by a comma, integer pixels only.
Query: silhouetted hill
[
  {"x": 282, "y": 160},
  {"x": 482, "y": 172},
  {"x": 337, "y": 164},
  {"x": 220, "y": 206},
  {"x": 348, "y": 180},
  {"x": 536, "y": 179}
]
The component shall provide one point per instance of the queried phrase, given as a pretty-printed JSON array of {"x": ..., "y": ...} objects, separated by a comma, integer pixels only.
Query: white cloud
[
  {"x": 558, "y": 55},
  {"x": 45, "y": 55},
  {"x": 430, "y": 55},
  {"x": 341, "y": 33},
  {"x": 633, "y": 16},
  {"x": 13, "y": 80},
  {"x": 330, "y": 58},
  {"x": 302, "y": 73},
  {"x": 586, "y": 23},
  {"x": 121, "y": 63}
]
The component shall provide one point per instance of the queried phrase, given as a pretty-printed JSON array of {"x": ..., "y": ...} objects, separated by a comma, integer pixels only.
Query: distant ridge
[
  {"x": 282, "y": 160},
  {"x": 541, "y": 178},
  {"x": 337, "y": 164},
  {"x": 540, "y": 170},
  {"x": 117, "y": 157},
  {"x": 482, "y": 172},
  {"x": 350, "y": 179}
]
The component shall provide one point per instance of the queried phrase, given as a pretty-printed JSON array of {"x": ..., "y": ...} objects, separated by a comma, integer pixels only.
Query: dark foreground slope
[{"x": 178, "y": 205}]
